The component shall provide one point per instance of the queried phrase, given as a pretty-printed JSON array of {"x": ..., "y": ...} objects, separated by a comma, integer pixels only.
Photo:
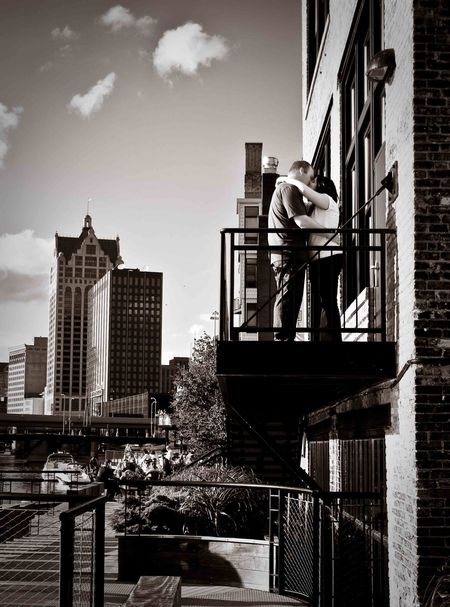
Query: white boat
[{"x": 62, "y": 467}]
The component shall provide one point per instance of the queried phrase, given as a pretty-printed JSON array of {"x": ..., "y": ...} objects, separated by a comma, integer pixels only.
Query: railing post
[
  {"x": 383, "y": 287},
  {"x": 233, "y": 335},
  {"x": 66, "y": 558},
  {"x": 223, "y": 289},
  {"x": 281, "y": 543},
  {"x": 99, "y": 555},
  {"x": 316, "y": 551}
]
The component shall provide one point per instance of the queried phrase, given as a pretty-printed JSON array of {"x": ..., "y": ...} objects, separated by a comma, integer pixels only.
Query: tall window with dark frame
[
  {"x": 322, "y": 156},
  {"x": 251, "y": 214},
  {"x": 316, "y": 17},
  {"x": 362, "y": 138}
]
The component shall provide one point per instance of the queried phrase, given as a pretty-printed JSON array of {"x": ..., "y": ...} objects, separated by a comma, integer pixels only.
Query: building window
[
  {"x": 251, "y": 316},
  {"x": 316, "y": 19},
  {"x": 251, "y": 221},
  {"x": 322, "y": 156},
  {"x": 90, "y": 261},
  {"x": 250, "y": 273},
  {"x": 362, "y": 138},
  {"x": 91, "y": 249}
]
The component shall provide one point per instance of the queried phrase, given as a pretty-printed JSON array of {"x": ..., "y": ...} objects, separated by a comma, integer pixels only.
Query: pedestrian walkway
[
  {"x": 29, "y": 574},
  {"x": 191, "y": 595}
]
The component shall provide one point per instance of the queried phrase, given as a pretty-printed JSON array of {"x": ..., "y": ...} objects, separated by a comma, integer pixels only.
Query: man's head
[{"x": 302, "y": 171}]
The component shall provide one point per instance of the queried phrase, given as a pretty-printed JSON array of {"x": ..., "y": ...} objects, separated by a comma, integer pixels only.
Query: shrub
[{"x": 219, "y": 511}]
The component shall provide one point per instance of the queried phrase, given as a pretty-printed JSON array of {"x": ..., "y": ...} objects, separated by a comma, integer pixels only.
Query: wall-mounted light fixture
[{"x": 382, "y": 66}]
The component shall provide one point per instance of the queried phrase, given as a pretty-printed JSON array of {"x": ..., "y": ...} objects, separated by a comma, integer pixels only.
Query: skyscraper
[
  {"x": 26, "y": 375},
  {"x": 78, "y": 263},
  {"x": 124, "y": 337}
]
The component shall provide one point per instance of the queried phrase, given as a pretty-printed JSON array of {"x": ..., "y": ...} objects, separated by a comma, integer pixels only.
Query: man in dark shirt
[{"x": 288, "y": 211}]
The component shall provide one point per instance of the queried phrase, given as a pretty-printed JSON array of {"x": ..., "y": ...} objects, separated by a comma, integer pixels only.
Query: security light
[{"x": 382, "y": 66}]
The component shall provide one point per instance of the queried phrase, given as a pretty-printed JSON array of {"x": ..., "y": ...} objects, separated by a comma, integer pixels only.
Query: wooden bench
[{"x": 156, "y": 591}]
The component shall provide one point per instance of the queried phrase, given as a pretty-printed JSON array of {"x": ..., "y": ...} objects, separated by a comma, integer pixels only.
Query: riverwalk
[{"x": 29, "y": 577}]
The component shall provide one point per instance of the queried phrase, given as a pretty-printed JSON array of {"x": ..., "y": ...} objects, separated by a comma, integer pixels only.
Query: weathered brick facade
[
  {"x": 432, "y": 282},
  {"x": 417, "y": 137}
]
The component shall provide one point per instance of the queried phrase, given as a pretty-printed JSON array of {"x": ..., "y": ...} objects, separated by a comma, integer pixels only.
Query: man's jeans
[{"x": 290, "y": 279}]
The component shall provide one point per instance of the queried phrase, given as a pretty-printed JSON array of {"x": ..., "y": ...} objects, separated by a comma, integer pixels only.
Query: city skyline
[{"x": 145, "y": 109}]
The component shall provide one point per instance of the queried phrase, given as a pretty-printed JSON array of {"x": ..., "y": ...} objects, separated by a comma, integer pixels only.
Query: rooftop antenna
[{"x": 88, "y": 203}]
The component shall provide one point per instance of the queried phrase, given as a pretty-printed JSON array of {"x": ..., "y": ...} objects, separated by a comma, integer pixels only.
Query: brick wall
[{"x": 432, "y": 281}]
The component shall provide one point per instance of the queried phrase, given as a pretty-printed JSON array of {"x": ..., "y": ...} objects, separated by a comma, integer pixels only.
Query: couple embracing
[{"x": 290, "y": 211}]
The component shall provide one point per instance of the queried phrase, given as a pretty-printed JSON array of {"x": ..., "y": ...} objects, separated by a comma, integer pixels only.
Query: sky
[{"x": 144, "y": 108}]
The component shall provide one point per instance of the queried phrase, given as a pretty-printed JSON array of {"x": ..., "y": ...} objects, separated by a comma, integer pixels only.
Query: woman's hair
[{"x": 325, "y": 185}]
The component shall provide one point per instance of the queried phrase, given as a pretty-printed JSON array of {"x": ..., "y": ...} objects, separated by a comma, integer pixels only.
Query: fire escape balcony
[{"x": 257, "y": 373}]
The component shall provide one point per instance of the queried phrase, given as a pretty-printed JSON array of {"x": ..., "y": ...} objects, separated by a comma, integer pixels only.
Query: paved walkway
[
  {"x": 191, "y": 595},
  {"x": 29, "y": 574}
]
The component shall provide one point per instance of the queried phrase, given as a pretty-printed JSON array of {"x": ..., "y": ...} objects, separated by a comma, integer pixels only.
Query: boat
[{"x": 62, "y": 467}]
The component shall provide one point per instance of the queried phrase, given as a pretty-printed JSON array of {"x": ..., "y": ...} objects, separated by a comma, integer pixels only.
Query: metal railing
[
  {"x": 323, "y": 547},
  {"x": 82, "y": 555},
  {"x": 247, "y": 295},
  {"x": 51, "y": 544}
]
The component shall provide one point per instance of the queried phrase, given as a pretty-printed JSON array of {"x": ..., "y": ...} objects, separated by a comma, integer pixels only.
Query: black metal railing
[
  {"x": 51, "y": 544},
  {"x": 323, "y": 546},
  {"x": 82, "y": 554},
  {"x": 247, "y": 297}
]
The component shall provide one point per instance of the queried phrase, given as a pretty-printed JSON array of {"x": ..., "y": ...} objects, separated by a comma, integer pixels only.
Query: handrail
[{"x": 370, "y": 244}]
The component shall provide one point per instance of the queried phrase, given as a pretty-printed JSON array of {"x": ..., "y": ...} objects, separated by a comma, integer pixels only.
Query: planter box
[{"x": 197, "y": 560}]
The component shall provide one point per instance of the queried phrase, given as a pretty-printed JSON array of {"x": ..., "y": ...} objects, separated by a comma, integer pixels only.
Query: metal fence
[
  {"x": 328, "y": 548},
  {"x": 82, "y": 555},
  {"x": 248, "y": 289},
  {"x": 39, "y": 534}
]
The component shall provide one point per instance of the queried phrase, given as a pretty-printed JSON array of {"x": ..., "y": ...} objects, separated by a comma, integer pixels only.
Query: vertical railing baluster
[
  {"x": 66, "y": 561},
  {"x": 316, "y": 552},
  {"x": 232, "y": 332},
  {"x": 99, "y": 564},
  {"x": 223, "y": 336}
]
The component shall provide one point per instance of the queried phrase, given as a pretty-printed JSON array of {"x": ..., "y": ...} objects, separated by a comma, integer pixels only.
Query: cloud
[
  {"x": 25, "y": 261},
  {"x": 64, "y": 34},
  {"x": 187, "y": 48},
  {"x": 119, "y": 18},
  {"x": 46, "y": 67},
  {"x": 92, "y": 101},
  {"x": 8, "y": 121},
  {"x": 64, "y": 50}
]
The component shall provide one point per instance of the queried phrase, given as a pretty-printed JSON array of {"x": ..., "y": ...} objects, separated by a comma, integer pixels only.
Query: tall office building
[
  {"x": 26, "y": 376},
  {"x": 78, "y": 263},
  {"x": 124, "y": 337},
  {"x": 3, "y": 387},
  {"x": 169, "y": 372}
]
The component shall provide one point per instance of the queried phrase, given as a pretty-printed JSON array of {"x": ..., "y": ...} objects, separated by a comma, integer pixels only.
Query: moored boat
[{"x": 64, "y": 468}]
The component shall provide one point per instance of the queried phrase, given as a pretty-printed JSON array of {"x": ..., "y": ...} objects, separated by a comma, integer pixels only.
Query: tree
[{"x": 199, "y": 411}]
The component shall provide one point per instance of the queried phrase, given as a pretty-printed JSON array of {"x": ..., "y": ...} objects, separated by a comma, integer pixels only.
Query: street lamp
[
  {"x": 215, "y": 317},
  {"x": 153, "y": 417}
]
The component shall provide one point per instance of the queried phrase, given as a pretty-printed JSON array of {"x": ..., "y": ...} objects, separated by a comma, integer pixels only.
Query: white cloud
[
  {"x": 25, "y": 262},
  {"x": 187, "y": 48},
  {"x": 46, "y": 67},
  {"x": 8, "y": 121},
  {"x": 92, "y": 101},
  {"x": 64, "y": 34},
  {"x": 26, "y": 253},
  {"x": 64, "y": 50},
  {"x": 119, "y": 18}
]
